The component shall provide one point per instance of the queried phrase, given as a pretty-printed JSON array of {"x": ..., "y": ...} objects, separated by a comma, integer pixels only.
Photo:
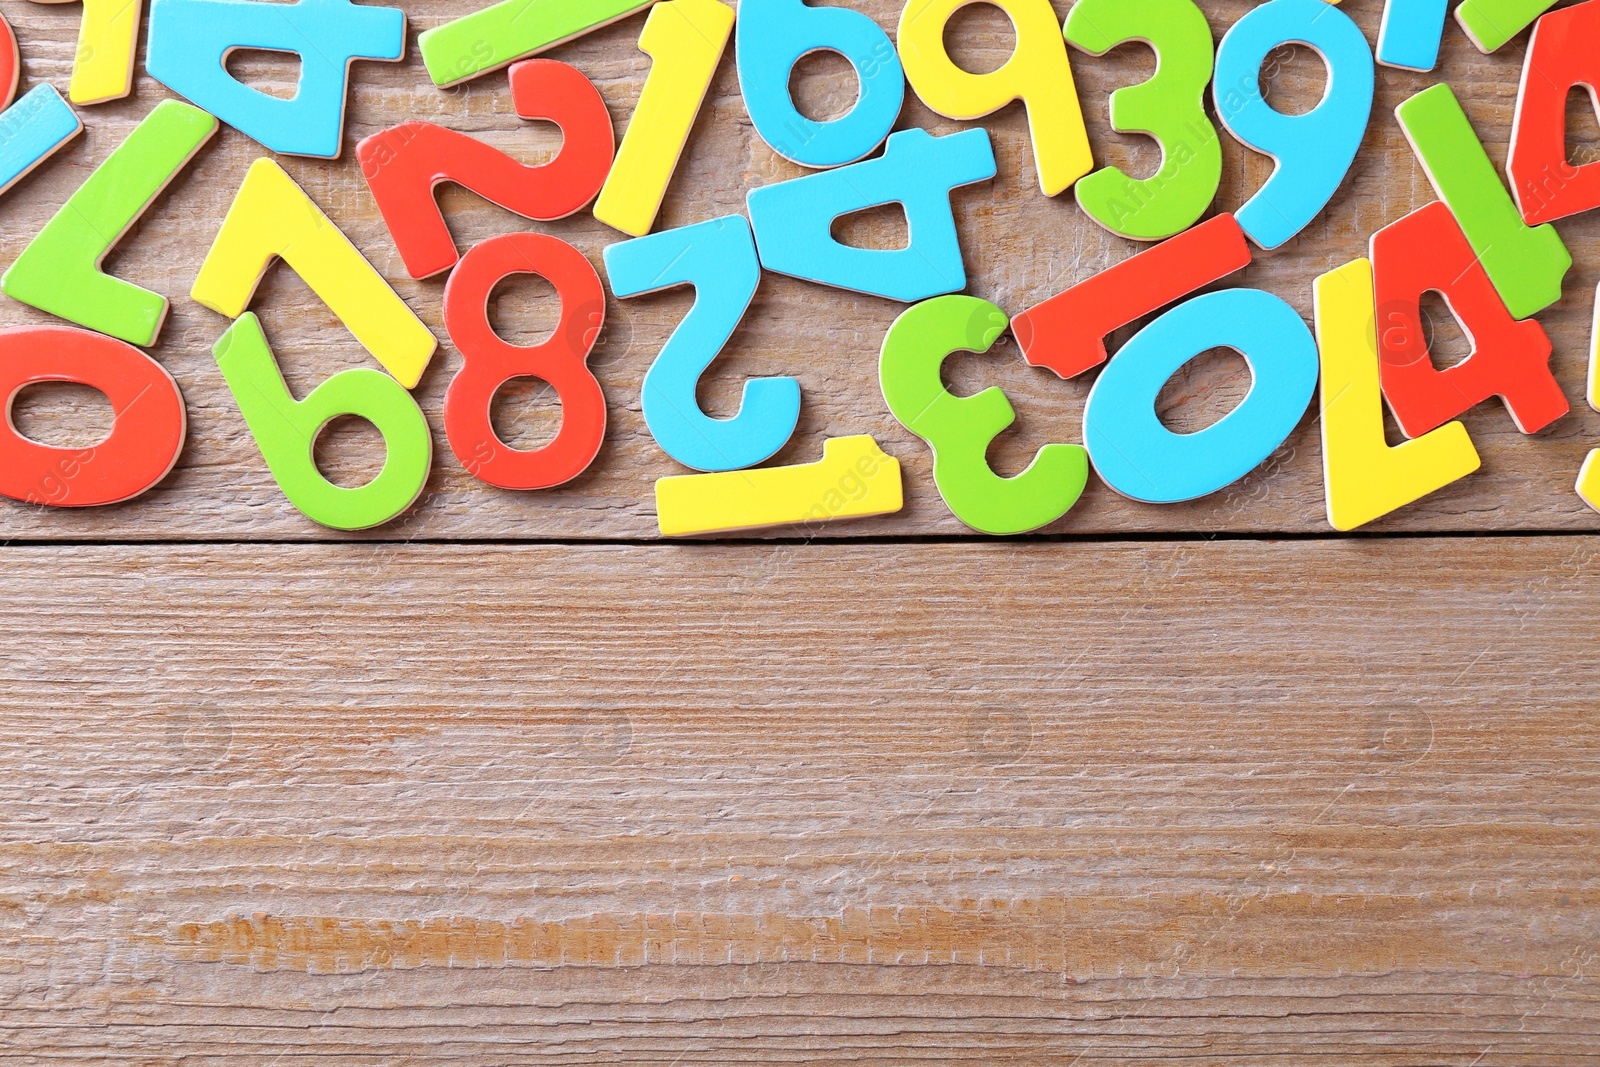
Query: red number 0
[
  {"x": 145, "y": 438},
  {"x": 491, "y": 362}
]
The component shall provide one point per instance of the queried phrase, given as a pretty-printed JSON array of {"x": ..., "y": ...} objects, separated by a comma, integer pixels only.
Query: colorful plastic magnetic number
[
  {"x": 1561, "y": 55},
  {"x": 1526, "y": 264},
  {"x": 59, "y": 271},
  {"x": 1363, "y": 477},
  {"x": 1594, "y": 358},
  {"x": 1491, "y": 23},
  {"x": 1589, "y": 476},
  {"x": 1169, "y": 107},
  {"x": 1142, "y": 459},
  {"x": 854, "y": 480},
  {"x": 102, "y": 68},
  {"x": 1067, "y": 333},
  {"x": 489, "y": 362},
  {"x": 1427, "y": 252},
  {"x": 718, "y": 258},
  {"x": 1410, "y": 34},
  {"x": 1589, "y": 480},
  {"x": 286, "y": 431},
  {"x": 684, "y": 40},
  {"x": 190, "y": 41},
  {"x": 272, "y": 217},
  {"x": 32, "y": 130},
  {"x": 1039, "y": 73},
  {"x": 960, "y": 429},
  {"x": 10, "y": 64},
  {"x": 773, "y": 35},
  {"x": 1313, "y": 151},
  {"x": 405, "y": 164},
  {"x": 146, "y": 436},
  {"x": 510, "y": 30},
  {"x": 793, "y": 220}
]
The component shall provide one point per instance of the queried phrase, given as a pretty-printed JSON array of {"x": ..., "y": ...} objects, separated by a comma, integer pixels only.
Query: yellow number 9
[{"x": 1038, "y": 73}]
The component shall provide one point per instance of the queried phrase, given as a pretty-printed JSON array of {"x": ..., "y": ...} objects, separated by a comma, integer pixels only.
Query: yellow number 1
[
  {"x": 684, "y": 40},
  {"x": 102, "y": 69}
]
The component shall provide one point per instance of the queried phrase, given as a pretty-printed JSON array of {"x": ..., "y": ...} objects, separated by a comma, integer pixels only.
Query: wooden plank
[
  {"x": 1020, "y": 247},
  {"x": 1277, "y": 802}
]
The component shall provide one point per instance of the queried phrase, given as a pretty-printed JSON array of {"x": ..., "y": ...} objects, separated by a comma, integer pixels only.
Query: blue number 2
[{"x": 719, "y": 259}]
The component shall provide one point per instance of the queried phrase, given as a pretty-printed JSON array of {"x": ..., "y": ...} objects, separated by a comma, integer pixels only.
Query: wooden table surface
[{"x": 511, "y": 781}]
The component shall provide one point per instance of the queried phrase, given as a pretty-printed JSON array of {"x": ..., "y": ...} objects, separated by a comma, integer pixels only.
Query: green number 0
[{"x": 1169, "y": 107}]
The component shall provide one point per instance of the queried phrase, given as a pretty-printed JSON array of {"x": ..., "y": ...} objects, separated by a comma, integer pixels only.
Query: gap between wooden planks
[{"x": 1277, "y": 802}]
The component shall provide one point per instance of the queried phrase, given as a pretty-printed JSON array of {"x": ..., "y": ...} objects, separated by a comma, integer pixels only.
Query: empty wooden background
[{"x": 508, "y": 781}]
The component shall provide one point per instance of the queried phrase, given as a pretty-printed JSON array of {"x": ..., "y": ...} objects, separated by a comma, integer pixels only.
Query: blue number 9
[{"x": 1313, "y": 151}]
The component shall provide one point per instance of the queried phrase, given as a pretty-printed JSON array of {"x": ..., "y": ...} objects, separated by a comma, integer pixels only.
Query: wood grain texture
[
  {"x": 1020, "y": 248},
  {"x": 1083, "y": 801},
  {"x": 1225, "y": 803}
]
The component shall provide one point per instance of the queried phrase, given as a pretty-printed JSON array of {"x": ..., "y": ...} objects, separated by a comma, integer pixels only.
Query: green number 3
[
  {"x": 1169, "y": 107},
  {"x": 959, "y": 429}
]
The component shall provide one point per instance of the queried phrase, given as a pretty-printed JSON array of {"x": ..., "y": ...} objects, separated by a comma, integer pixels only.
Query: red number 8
[{"x": 491, "y": 362}]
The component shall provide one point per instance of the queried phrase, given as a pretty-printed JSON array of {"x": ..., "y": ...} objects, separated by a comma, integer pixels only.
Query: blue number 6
[{"x": 1313, "y": 151}]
